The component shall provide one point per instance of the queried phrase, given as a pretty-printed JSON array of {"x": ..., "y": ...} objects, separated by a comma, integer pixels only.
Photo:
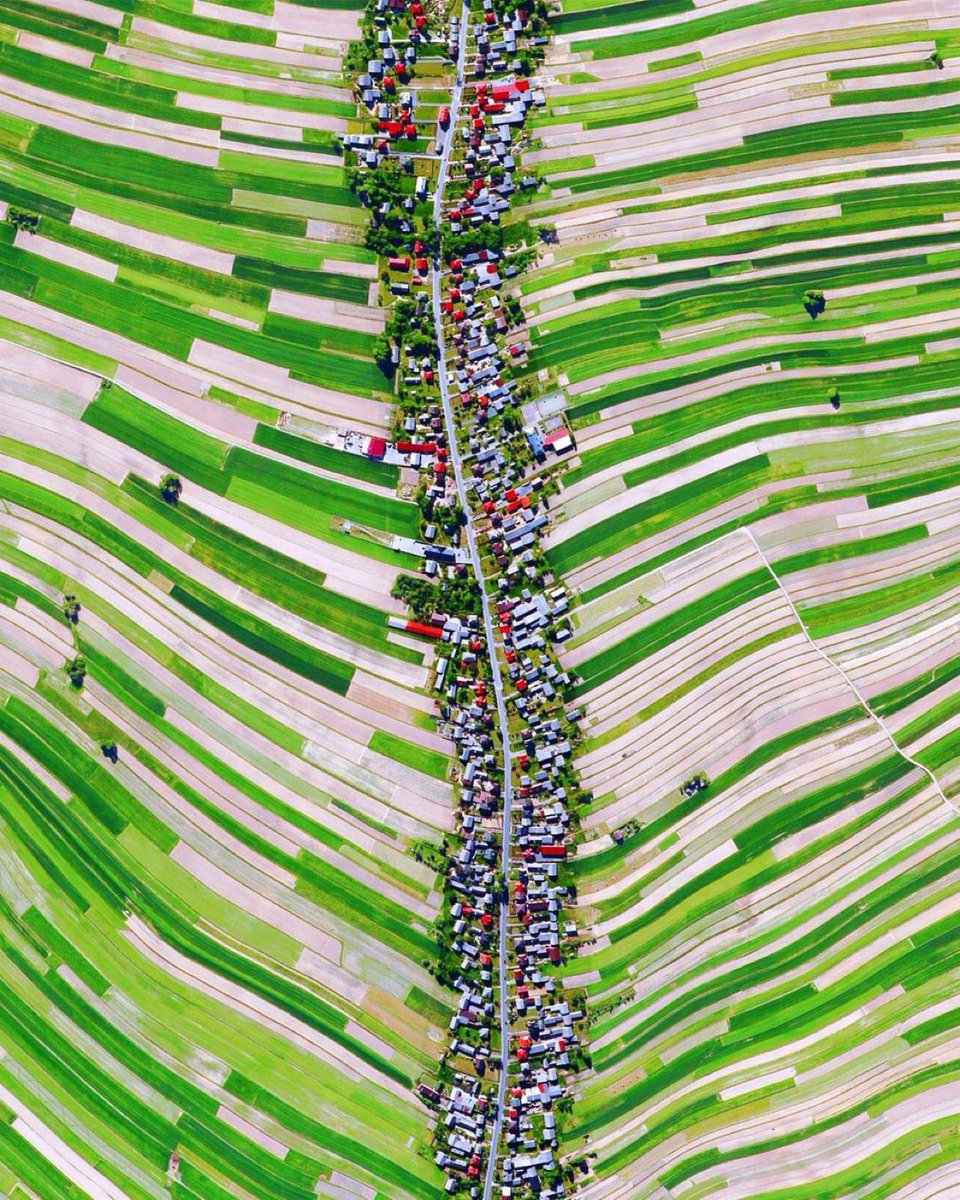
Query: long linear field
[
  {"x": 195, "y": 226},
  {"x": 213, "y": 946},
  {"x": 751, "y": 307},
  {"x": 218, "y": 760}
]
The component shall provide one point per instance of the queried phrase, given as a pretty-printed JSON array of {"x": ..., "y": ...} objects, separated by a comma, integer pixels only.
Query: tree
[
  {"x": 936, "y": 60},
  {"x": 71, "y": 609},
  {"x": 401, "y": 318},
  {"x": 76, "y": 670},
  {"x": 480, "y": 237},
  {"x": 109, "y": 750},
  {"x": 382, "y": 354},
  {"x": 171, "y": 488},
  {"x": 514, "y": 309},
  {"x": 814, "y": 302},
  {"x": 383, "y": 185},
  {"x": 834, "y": 397},
  {"x": 421, "y": 343},
  {"x": 29, "y": 222},
  {"x": 419, "y": 595},
  {"x": 512, "y": 418}
]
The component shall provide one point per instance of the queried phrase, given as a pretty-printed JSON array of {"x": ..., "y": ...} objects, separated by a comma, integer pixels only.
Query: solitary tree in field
[
  {"x": 171, "y": 488},
  {"x": 936, "y": 60},
  {"x": 814, "y": 302},
  {"x": 834, "y": 397},
  {"x": 29, "y": 222},
  {"x": 71, "y": 609},
  {"x": 109, "y": 750},
  {"x": 76, "y": 670}
]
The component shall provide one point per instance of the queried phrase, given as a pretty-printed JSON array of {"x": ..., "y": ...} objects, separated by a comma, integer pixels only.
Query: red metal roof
[{"x": 432, "y": 631}]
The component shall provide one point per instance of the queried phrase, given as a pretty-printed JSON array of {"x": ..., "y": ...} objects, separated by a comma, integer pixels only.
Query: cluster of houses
[
  {"x": 497, "y": 112},
  {"x": 474, "y": 890},
  {"x": 495, "y": 40},
  {"x": 506, "y": 464},
  {"x": 403, "y": 30},
  {"x": 509, "y": 511},
  {"x": 544, "y": 1024}
]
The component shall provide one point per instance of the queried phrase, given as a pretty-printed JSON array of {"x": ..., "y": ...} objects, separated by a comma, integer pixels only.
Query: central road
[{"x": 488, "y": 623}]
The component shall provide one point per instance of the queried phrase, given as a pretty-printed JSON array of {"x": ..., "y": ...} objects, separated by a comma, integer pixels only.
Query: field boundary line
[{"x": 841, "y": 671}]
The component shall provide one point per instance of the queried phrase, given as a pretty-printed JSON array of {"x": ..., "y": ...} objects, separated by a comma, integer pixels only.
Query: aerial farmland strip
[
  {"x": 748, "y": 308},
  {"x": 221, "y": 776},
  {"x": 478, "y": 594}
]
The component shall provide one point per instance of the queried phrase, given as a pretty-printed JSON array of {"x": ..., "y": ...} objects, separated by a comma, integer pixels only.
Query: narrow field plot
[
  {"x": 751, "y": 306},
  {"x": 213, "y": 920}
]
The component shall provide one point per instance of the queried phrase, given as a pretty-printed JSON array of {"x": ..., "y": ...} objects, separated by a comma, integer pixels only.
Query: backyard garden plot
[
  {"x": 750, "y": 305},
  {"x": 177, "y": 209},
  {"x": 216, "y": 938}
]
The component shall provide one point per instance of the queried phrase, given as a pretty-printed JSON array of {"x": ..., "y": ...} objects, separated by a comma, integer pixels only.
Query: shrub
[
  {"x": 71, "y": 609},
  {"x": 814, "y": 302},
  {"x": 171, "y": 488},
  {"x": 381, "y": 353},
  {"x": 27, "y": 221},
  {"x": 76, "y": 670}
]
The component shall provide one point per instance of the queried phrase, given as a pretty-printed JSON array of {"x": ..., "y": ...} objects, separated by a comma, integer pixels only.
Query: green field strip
[
  {"x": 215, "y": 465},
  {"x": 749, "y": 868},
  {"x": 123, "y": 681},
  {"x": 662, "y": 632},
  {"x": 649, "y": 516},
  {"x": 787, "y": 321},
  {"x": 110, "y": 670},
  {"x": 859, "y": 389},
  {"x": 876, "y": 604},
  {"x": 72, "y": 29},
  {"x": 199, "y": 1131},
  {"x": 112, "y": 877},
  {"x": 190, "y": 84},
  {"x": 314, "y": 664},
  {"x": 692, "y": 682},
  {"x": 771, "y": 966},
  {"x": 308, "y": 661},
  {"x": 125, "y": 1061},
  {"x": 659, "y": 823},
  {"x": 411, "y": 755},
  {"x": 578, "y": 15},
  {"x": 79, "y": 83},
  {"x": 824, "y": 846},
  {"x": 296, "y": 279},
  {"x": 819, "y": 136},
  {"x": 856, "y": 548},
  {"x": 326, "y": 458},
  {"x": 699, "y": 28},
  {"x": 624, "y": 448},
  {"x": 153, "y": 321},
  {"x": 837, "y": 413},
  {"x": 48, "y": 186}
]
